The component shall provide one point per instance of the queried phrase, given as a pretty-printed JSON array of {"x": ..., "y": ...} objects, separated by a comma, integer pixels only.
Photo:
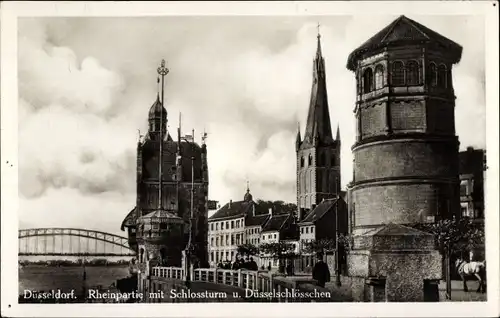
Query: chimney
[
  {"x": 470, "y": 149},
  {"x": 271, "y": 212},
  {"x": 230, "y": 201}
]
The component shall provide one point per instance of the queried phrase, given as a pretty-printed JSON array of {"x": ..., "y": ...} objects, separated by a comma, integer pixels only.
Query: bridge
[{"x": 71, "y": 242}]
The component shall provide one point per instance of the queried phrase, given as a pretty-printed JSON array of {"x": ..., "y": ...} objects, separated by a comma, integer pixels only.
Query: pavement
[{"x": 457, "y": 293}]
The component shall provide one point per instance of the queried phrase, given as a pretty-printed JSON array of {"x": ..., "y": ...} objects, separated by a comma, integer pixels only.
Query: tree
[
  {"x": 279, "y": 207},
  {"x": 454, "y": 237},
  {"x": 328, "y": 244},
  {"x": 280, "y": 251},
  {"x": 247, "y": 249}
]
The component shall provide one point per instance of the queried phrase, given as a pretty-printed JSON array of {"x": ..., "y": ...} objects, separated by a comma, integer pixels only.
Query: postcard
[{"x": 253, "y": 159}]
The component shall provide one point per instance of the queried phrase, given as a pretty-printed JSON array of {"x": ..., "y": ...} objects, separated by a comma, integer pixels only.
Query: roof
[
  {"x": 393, "y": 229},
  {"x": 233, "y": 210},
  {"x": 256, "y": 220},
  {"x": 161, "y": 216},
  {"x": 318, "y": 118},
  {"x": 471, "y": 161},
  {"x": 320, "y": 210},
  {"x": 188, "y": 150},
  {"x": 403, "y": 31},
  {"x": 129, "y": 220},
  {"x": 275, "y": 223},
  {"x": 157, "y": 109}
]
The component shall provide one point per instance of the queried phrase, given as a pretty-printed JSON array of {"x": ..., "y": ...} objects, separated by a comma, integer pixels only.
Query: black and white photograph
[{"x": 251, "y": 155}]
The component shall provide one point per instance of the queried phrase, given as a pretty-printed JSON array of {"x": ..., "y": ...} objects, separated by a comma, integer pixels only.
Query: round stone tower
[{"x": 406, "y": 150}]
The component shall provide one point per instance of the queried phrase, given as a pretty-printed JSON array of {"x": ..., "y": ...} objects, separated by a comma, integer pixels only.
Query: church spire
[
  {"x": 298, "y": 141},
  {"x": 337, "y": 137},
  {"x": 318, "y": 126}
]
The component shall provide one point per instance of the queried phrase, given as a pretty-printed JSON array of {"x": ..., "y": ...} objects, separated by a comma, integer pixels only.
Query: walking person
[{"x": 321, "y": 273}]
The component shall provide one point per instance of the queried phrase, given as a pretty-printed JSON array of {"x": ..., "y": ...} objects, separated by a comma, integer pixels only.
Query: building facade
[
  {"x": 406, "y": 149},
  {"x": 318, "y": 153},
  {"x": 472, "y": 169},
  {"x": 234, "y": 224}
]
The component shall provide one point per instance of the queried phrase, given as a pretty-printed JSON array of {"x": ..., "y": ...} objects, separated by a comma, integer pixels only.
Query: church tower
[{"x": 318, "y": 153}]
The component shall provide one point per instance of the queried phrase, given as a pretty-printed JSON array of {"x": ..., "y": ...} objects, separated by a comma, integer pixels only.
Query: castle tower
[
  {"x": 180, "y": 167},
  {"x": 405, "y": 160},
  {"x": 406, "y": 150},
  {"x": 318, "y": 154}
]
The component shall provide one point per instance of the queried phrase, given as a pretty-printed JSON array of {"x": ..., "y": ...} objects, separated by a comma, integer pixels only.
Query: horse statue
[{"x": 468, "y": 269}]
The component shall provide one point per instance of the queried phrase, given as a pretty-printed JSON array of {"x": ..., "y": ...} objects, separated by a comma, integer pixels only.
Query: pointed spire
[
  {"x": 298, "y": 141},
  {"x": 318, "y": 49},
  {"x": 318, "y": 126},
  {"x": 337, "y": 137}
]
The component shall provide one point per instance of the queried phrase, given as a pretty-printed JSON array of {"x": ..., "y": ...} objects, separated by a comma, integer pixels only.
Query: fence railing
[{"x": 261, "y": 281}]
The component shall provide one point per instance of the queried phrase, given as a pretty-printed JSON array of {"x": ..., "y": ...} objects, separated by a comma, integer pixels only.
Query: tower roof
[
  {"x": 405, "y": 31},
  {"x": 248, "y": 196},
  {"x": 318, "y": 124},
  {"x": 156, "y": 109}
]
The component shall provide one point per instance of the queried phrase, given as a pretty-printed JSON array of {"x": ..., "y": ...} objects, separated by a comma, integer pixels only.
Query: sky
[{"x": 86, "y": 85}]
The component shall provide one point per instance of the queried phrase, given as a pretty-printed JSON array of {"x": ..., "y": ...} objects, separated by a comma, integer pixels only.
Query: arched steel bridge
[{"x": 71, "y": 242}]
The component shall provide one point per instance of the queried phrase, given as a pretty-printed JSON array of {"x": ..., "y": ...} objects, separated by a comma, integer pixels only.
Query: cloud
[{"x": 86, "y": 85}]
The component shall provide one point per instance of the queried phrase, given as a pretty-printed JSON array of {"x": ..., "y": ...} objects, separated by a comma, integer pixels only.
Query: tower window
[
  {"x": 368, "y": 80},
  {"x": 441, "y": 76},
  {"x": 302, "y": 162},
  {"x": 413, "y": 77},
  {"x": 379, "y": 77},
  {"x": 332, "y": 161},
  {"x": 398, "y": 73},
  {"x": 310, "y": 160},
  {"x": 322, "y": 159},
  {"x": 432, "y": 76}
]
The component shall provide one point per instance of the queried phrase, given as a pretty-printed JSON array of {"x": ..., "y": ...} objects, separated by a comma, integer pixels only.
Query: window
[
  {"x": 398, "y": 73},
  {"x": 211, "y": 226},
  {"x": 216, "y": 241},
  {"x": 238, "y": 223},
  {"x": 227, "y": 225},
  {"x": 432, "y": 76},
  {"x": 302, "y": 230},
  {"x": 441, "y": 76},
  {"x": 322, "y": 159},
  {"x": 312, "y": 229},
  {"x": 463, "y": 211},
  {"x": 232, "y": 224},
  {"x": 232, "y": 239},
  {"x": 212, "y": 256},
  {"x": 310, "y": 160},
  {"x": 307, "y": 230},
  {"x": 227, "y": 239},
  {"x": 368, "y": 80},
  {"x": 413, "y": 77},
  {"x": 216, "y": 226},
  {"x": 211, "y": 241},
  {"x": 463, "y": 188},
  {"x": 222, "y": 225},
  {"x": 274, "y": 236},
  {"x": 379, "y": 77},
  {"x": 302, "y": 162}
]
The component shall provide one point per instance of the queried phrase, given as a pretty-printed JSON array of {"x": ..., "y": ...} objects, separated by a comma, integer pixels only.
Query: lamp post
[{"x": 189, "y": 246}]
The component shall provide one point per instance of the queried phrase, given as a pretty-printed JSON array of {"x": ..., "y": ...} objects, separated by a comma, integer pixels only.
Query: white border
[{"x": 9, "y": 192}]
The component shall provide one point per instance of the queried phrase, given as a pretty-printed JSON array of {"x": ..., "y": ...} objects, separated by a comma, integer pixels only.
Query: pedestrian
[{"x": 320, "y": 272}]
